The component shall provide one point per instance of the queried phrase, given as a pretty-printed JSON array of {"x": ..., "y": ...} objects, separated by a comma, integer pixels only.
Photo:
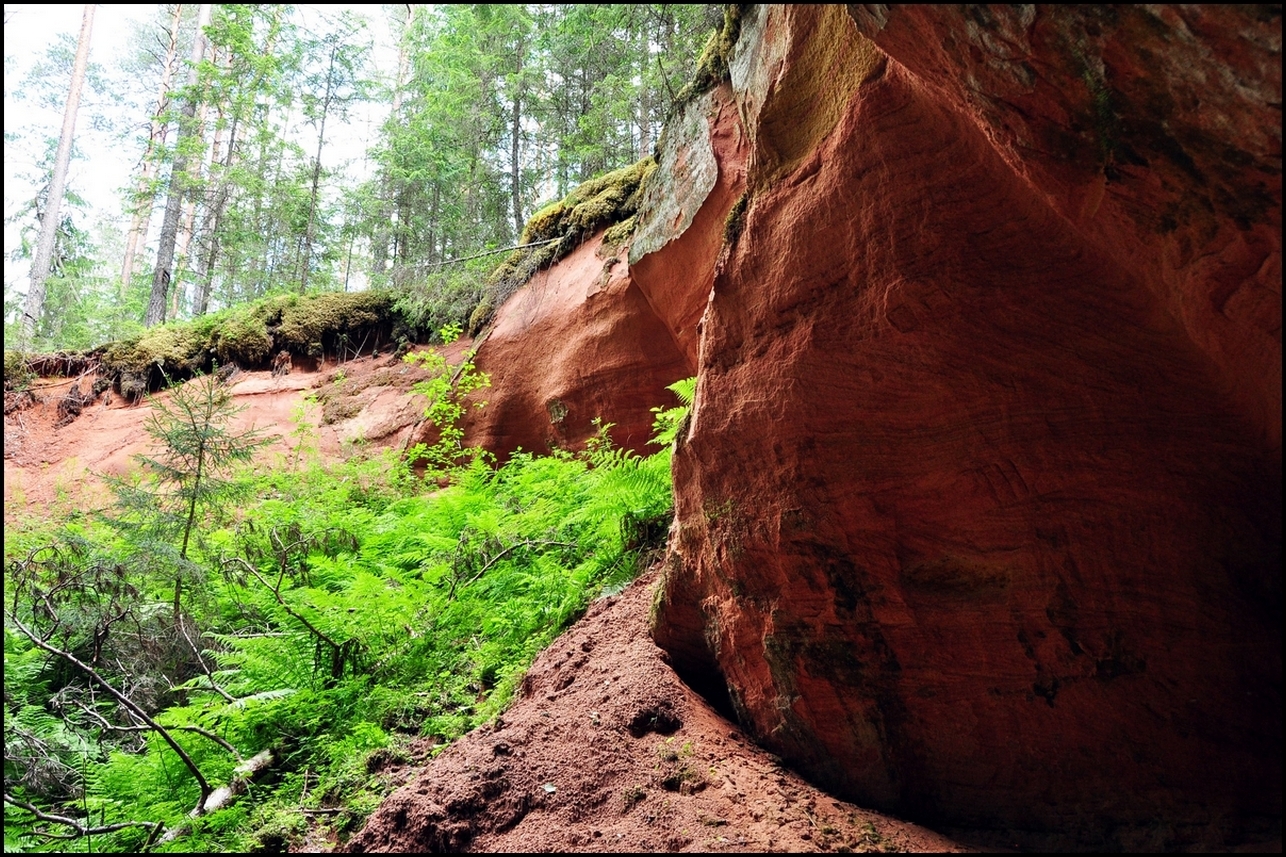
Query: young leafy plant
[
  {"x": 447, "y": 389},
  {"x": 671, "y": 422}
]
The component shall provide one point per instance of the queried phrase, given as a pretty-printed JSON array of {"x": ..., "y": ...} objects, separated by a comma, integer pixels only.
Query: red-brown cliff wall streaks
[
  {"x": 576, "y": 343},
  {"x": 979, "y": 518}
]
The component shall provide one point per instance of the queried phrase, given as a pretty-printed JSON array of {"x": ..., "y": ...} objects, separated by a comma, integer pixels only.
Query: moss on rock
[
  {"x": 617, "y": 235},
  {"x": 481, "y": 315},
  {"x": 736, "y": 219},
  {"x": 712, "y": 65},
  {"x": 609, "y": 199},
  {"x": 336, "y": 315}
]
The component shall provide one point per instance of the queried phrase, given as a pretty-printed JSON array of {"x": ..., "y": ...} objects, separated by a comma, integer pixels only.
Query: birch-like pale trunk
[
  {"x": 178, "y": 179},
  {"x": 158, "y": 132},
  {"x": 34, "y": 306}
]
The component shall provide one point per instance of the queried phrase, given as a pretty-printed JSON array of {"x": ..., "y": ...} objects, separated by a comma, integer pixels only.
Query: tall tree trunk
[
  {"x": 205, "y": 241},
  {"x": 202, "y": 304},
  {"x": 187, "y": 251},
  {"x": 386, "y": 217},
  {"x": 645, "y": 121},
  {"x": 515, "y": 141},
  {"x": 157, "y": 132},
  {"x": 178, "y": 175},
  {"x": 34, "y": 305},
  {"x": 312, "y": 198}
]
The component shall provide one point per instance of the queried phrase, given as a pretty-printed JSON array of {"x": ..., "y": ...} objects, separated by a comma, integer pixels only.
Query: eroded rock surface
[
  {"x": 979, "y": 508},
  {"x": 603, "y": 332},
  {"x": 979, "y": 513},
  {"x": 578, "y": 342},
  {"x": 701, "y": 175}
]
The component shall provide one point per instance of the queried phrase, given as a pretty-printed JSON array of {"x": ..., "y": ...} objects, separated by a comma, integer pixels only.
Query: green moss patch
[
  {"x": 330, "y": 324},
  {"x": 712, "y": 66},
  {"x": 17, "y": 373},
  {"x": 608, "y": 200}
]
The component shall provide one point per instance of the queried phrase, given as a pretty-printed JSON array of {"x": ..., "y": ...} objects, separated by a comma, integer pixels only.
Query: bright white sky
[
  {"x": 29, "y": 31},
  {"x": 108, "y": 163}
]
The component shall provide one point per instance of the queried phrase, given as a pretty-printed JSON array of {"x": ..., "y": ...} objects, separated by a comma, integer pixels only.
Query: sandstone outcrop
[
  {"x": 979, "y": 511},
  {"x": 602, "y": 333},
  {"x": 683, "y": 220},
  {"x": 979, "y": 508},
  {"x": 578, "y": 342}
]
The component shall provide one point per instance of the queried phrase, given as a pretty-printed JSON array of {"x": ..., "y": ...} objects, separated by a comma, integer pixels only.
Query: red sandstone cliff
[{"x": 979, "y": 512}]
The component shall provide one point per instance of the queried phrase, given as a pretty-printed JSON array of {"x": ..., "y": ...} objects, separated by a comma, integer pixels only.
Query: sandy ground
[
  {"x": 607, "y": 750},
  {"x": 51, "y": 465}
]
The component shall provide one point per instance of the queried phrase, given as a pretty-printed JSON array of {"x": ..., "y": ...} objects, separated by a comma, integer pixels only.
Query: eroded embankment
[{"x": 605, "y": 749}]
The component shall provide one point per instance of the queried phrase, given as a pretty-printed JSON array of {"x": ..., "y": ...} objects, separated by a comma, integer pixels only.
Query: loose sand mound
[{"x": 607, "y": 750}]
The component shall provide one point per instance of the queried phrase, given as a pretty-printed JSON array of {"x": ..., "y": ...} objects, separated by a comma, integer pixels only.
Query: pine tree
[{"x": 197, "y": 448}]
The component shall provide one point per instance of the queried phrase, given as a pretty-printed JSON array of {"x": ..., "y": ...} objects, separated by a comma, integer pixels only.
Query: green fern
[
  {"x": 669, "y": 423},
  {"x": 432, "y": 606}
]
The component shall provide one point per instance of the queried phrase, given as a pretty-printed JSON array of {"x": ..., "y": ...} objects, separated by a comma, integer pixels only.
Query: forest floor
[{"x": 604, "y": 749}]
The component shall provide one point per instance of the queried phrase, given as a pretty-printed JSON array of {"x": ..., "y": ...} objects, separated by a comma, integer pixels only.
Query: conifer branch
[
  {"x": 81, "y": 829},
  {"x": 124, "y": 700}
]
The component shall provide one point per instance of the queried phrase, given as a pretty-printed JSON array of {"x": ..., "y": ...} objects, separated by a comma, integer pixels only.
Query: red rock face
[
  {"x": 601, "y": 335},
  {"x": 979, "y": 513},
  {"x": 1156, "y": 131},
  {"x": 674, "y": 253},
  {"x": 578, "y": 342}
]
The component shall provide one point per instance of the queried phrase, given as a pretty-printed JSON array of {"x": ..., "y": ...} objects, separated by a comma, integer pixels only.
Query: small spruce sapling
[{"x": 195, "y": 450}]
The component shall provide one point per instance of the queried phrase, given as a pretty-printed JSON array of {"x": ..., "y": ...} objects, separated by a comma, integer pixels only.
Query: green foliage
[
  {"x": 670, "y": 423},
  {"x": 196, "y": 448},
  {"x": 505, "y": 105},
  {"x": 338, "y": 615},
  {"x": 17, "y": 375},
  {"x": 446, "y": 295},
  {"x": 447, "y": 388}
]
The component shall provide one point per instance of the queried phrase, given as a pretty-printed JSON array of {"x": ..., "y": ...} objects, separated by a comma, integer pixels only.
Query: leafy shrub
[
  {"x": 446, "y": 389},
  {"x": 339, "y": 613}
]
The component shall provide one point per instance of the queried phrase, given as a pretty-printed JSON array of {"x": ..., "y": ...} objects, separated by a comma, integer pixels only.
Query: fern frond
[{"x": 262, "y": 696}]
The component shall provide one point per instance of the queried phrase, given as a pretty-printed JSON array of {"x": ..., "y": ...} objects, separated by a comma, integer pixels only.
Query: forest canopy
[{"x": 284, "y": 151}]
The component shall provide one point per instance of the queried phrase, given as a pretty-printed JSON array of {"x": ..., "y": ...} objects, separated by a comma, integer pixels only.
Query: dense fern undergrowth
[{"x": 323, "y": 617}]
